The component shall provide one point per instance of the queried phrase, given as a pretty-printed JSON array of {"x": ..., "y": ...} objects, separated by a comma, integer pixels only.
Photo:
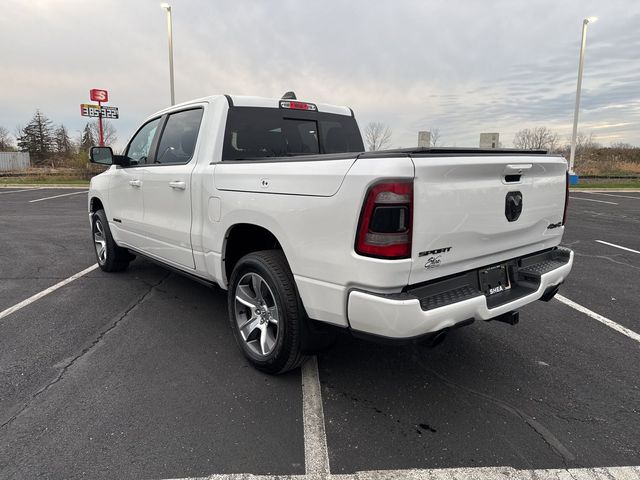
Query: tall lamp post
[
  {"x": 573, "y": 178},
  {"x": 166, "y": 7}
]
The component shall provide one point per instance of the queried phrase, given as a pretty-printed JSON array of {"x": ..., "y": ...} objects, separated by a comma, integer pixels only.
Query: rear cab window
[{"x": 254, "y": 133}]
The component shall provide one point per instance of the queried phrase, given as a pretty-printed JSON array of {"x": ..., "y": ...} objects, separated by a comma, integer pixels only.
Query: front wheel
[
  {"x": 111, "y": 257},
  {"x": 266, "y": 313}
]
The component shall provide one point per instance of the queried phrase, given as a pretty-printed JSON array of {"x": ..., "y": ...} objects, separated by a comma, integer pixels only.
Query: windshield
[{"x": 255, "y": 132}]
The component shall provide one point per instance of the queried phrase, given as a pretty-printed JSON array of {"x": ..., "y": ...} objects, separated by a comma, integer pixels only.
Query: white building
[{"x": 489, "y": 140}]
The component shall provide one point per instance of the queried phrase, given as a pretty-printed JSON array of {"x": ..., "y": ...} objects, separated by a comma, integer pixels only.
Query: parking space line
[
  {"x": 474, "y": 473},
  {"x": 47, "y": 291},
  {"x": 618, "y": 246},
  {"x": 592, "y": 200},
  {"x": 25, "y": 190},
  {"x": 612, "y": 195},
  {"x": 596, "y": 316},
  {"x": 316, "y": 454},
  {"x": 56, "y": 196}
]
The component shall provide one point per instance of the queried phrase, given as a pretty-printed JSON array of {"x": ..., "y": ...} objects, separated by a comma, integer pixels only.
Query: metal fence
[{"x": 14, "y": 161}]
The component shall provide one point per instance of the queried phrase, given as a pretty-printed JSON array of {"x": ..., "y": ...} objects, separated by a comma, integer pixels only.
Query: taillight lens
[
  {"x": 294, "y": 105},
  {"x": 386, "y": 220},
  {"x": 566, "y": 200}
]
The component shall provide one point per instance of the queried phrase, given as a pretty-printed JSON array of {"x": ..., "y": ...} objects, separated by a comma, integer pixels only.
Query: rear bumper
[{"x": 428, "y": 308}]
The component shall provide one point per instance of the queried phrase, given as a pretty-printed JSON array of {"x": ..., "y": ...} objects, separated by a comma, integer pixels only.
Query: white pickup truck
[{"x": 276, "y": 201}]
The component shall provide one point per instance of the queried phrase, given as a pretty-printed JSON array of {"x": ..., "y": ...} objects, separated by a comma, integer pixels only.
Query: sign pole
[{"x": 100, "y": 124}]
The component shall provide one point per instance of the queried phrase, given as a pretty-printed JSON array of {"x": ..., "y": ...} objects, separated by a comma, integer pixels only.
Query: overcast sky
[{"x": 464, "y": 67}]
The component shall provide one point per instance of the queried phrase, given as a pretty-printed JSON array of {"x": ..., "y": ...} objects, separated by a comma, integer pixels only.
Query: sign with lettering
[
  {"x": 98, "y": 95},
  {"x": 89, "y": 110}
]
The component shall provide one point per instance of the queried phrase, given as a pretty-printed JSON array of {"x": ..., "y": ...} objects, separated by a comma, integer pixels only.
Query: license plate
[{"x": 494, "y": 279}]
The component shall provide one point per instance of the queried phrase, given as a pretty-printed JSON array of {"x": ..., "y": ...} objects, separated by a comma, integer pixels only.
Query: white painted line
[
  {"x": 612, "y": 195},
  {"x": 592, "y": 200},
  {"x": 596, "y": 316},
  {"x": 316, "y": 454},
  {"x": 57, "y": 196},
  {"x": 47, "y": 291},
  {"x": 470, "y": 473},
  {"x": 618, "y": 246},
  {"x": 18, "y": 191}
]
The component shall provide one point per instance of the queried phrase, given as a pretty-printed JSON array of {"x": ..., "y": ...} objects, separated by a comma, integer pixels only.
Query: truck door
[
  {"x": 167, "y": 189},
  {"x": 126, "y": 206}
]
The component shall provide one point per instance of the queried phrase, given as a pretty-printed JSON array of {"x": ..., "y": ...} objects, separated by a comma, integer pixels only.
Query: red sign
[{"x": 98, "y": 95}]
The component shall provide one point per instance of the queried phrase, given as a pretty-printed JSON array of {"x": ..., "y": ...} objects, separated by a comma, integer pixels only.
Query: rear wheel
[
  {"x": 266, "y": 313},
  {"x": 111, "y": 257}
]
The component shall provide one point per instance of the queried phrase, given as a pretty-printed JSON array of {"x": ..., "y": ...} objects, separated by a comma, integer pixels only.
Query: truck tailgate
[{"x": 462, "y": 205}]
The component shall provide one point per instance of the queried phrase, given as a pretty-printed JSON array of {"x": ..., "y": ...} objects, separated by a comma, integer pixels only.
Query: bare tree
[
  {"x": 377, "y": 136},
  {"x": 622, "y": 145},
  {"x": 108, "y": 131},
  {"x": 538, "y": 138},
  {"x": 435, "y": 137},
  {"x": 585, "y": 143},
  {"x": 6, "y": 142}
]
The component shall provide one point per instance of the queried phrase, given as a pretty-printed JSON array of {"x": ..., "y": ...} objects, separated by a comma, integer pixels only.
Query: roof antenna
[{"x": 289, "y": 96}]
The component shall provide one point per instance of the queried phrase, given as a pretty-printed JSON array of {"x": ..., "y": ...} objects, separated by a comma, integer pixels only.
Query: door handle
[
  {"x": 178, "y": 185},
  {"x": 135, "y": 183}
]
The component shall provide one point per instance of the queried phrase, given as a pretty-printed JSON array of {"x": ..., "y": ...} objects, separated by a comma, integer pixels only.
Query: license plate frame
[{"x": 494, "y": 279}]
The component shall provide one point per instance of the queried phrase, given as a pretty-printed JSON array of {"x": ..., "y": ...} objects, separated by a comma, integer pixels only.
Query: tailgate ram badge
[{"x": 513, "y": 206}]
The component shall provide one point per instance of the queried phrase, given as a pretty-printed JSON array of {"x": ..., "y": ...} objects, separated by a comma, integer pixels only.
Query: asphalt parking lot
[{"x": 136, "y": 374}]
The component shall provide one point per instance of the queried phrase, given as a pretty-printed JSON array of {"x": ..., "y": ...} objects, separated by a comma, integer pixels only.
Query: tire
[
  {"x": 111, "y": 257},
  {"x": 266, "y": 313}
]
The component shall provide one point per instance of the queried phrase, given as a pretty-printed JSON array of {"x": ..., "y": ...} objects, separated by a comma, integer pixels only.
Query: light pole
[
  {"x": 572, "y": 156},
  {"x": 167, "y": 8}
]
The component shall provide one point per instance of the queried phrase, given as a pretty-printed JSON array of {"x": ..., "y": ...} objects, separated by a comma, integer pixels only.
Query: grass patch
[
  {"x": 36, "y": 180},
  {"x": 624, "y": 184}
]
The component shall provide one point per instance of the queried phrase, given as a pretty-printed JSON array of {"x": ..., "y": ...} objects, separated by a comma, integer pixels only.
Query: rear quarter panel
[{"x": 317, "y": 234}]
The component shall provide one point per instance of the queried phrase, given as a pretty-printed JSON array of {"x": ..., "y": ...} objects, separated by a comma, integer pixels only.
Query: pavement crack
[
  {"x": 543, "y": 432},
  {"x": 73, "y": 360}
]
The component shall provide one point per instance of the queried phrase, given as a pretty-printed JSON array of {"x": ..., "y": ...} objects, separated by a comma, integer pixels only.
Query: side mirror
[
  {"x": 105, "y": 156},
  {"x": 101, "y": 155}
]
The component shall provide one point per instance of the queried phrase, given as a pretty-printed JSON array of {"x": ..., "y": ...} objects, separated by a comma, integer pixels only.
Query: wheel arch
[
  {"x": 243, "y": 238},
  {"x": 95, "y": 204}
]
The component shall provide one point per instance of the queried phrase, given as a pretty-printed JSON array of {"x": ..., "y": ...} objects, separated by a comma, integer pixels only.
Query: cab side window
[
  {"x": 138, "y": 149},
  {"x": 178, "y": 141}
]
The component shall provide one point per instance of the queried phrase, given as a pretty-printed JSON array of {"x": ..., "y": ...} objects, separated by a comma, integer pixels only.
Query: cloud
[{"x": 463, "y": 67}]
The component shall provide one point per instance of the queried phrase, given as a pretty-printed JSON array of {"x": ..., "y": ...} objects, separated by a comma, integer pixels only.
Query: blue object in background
[{"x": 573, "y": 179}]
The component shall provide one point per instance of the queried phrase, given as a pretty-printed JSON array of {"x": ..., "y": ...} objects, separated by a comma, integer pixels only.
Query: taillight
[
  {"x": 294, "y": 105},
  {"x": 386, "y": 219},
  {"x": 566, "y": 200}
]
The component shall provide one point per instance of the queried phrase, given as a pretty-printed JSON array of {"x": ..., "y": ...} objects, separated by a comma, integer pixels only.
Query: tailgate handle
[
  {"x": 517, "y": 169},
  {"x": 513, "y": 173}
]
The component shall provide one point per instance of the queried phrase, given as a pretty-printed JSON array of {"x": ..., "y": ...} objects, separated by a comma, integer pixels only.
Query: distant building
[
  {"x": 424, "y": 139},
  {"x": 489, "y": 140}
]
